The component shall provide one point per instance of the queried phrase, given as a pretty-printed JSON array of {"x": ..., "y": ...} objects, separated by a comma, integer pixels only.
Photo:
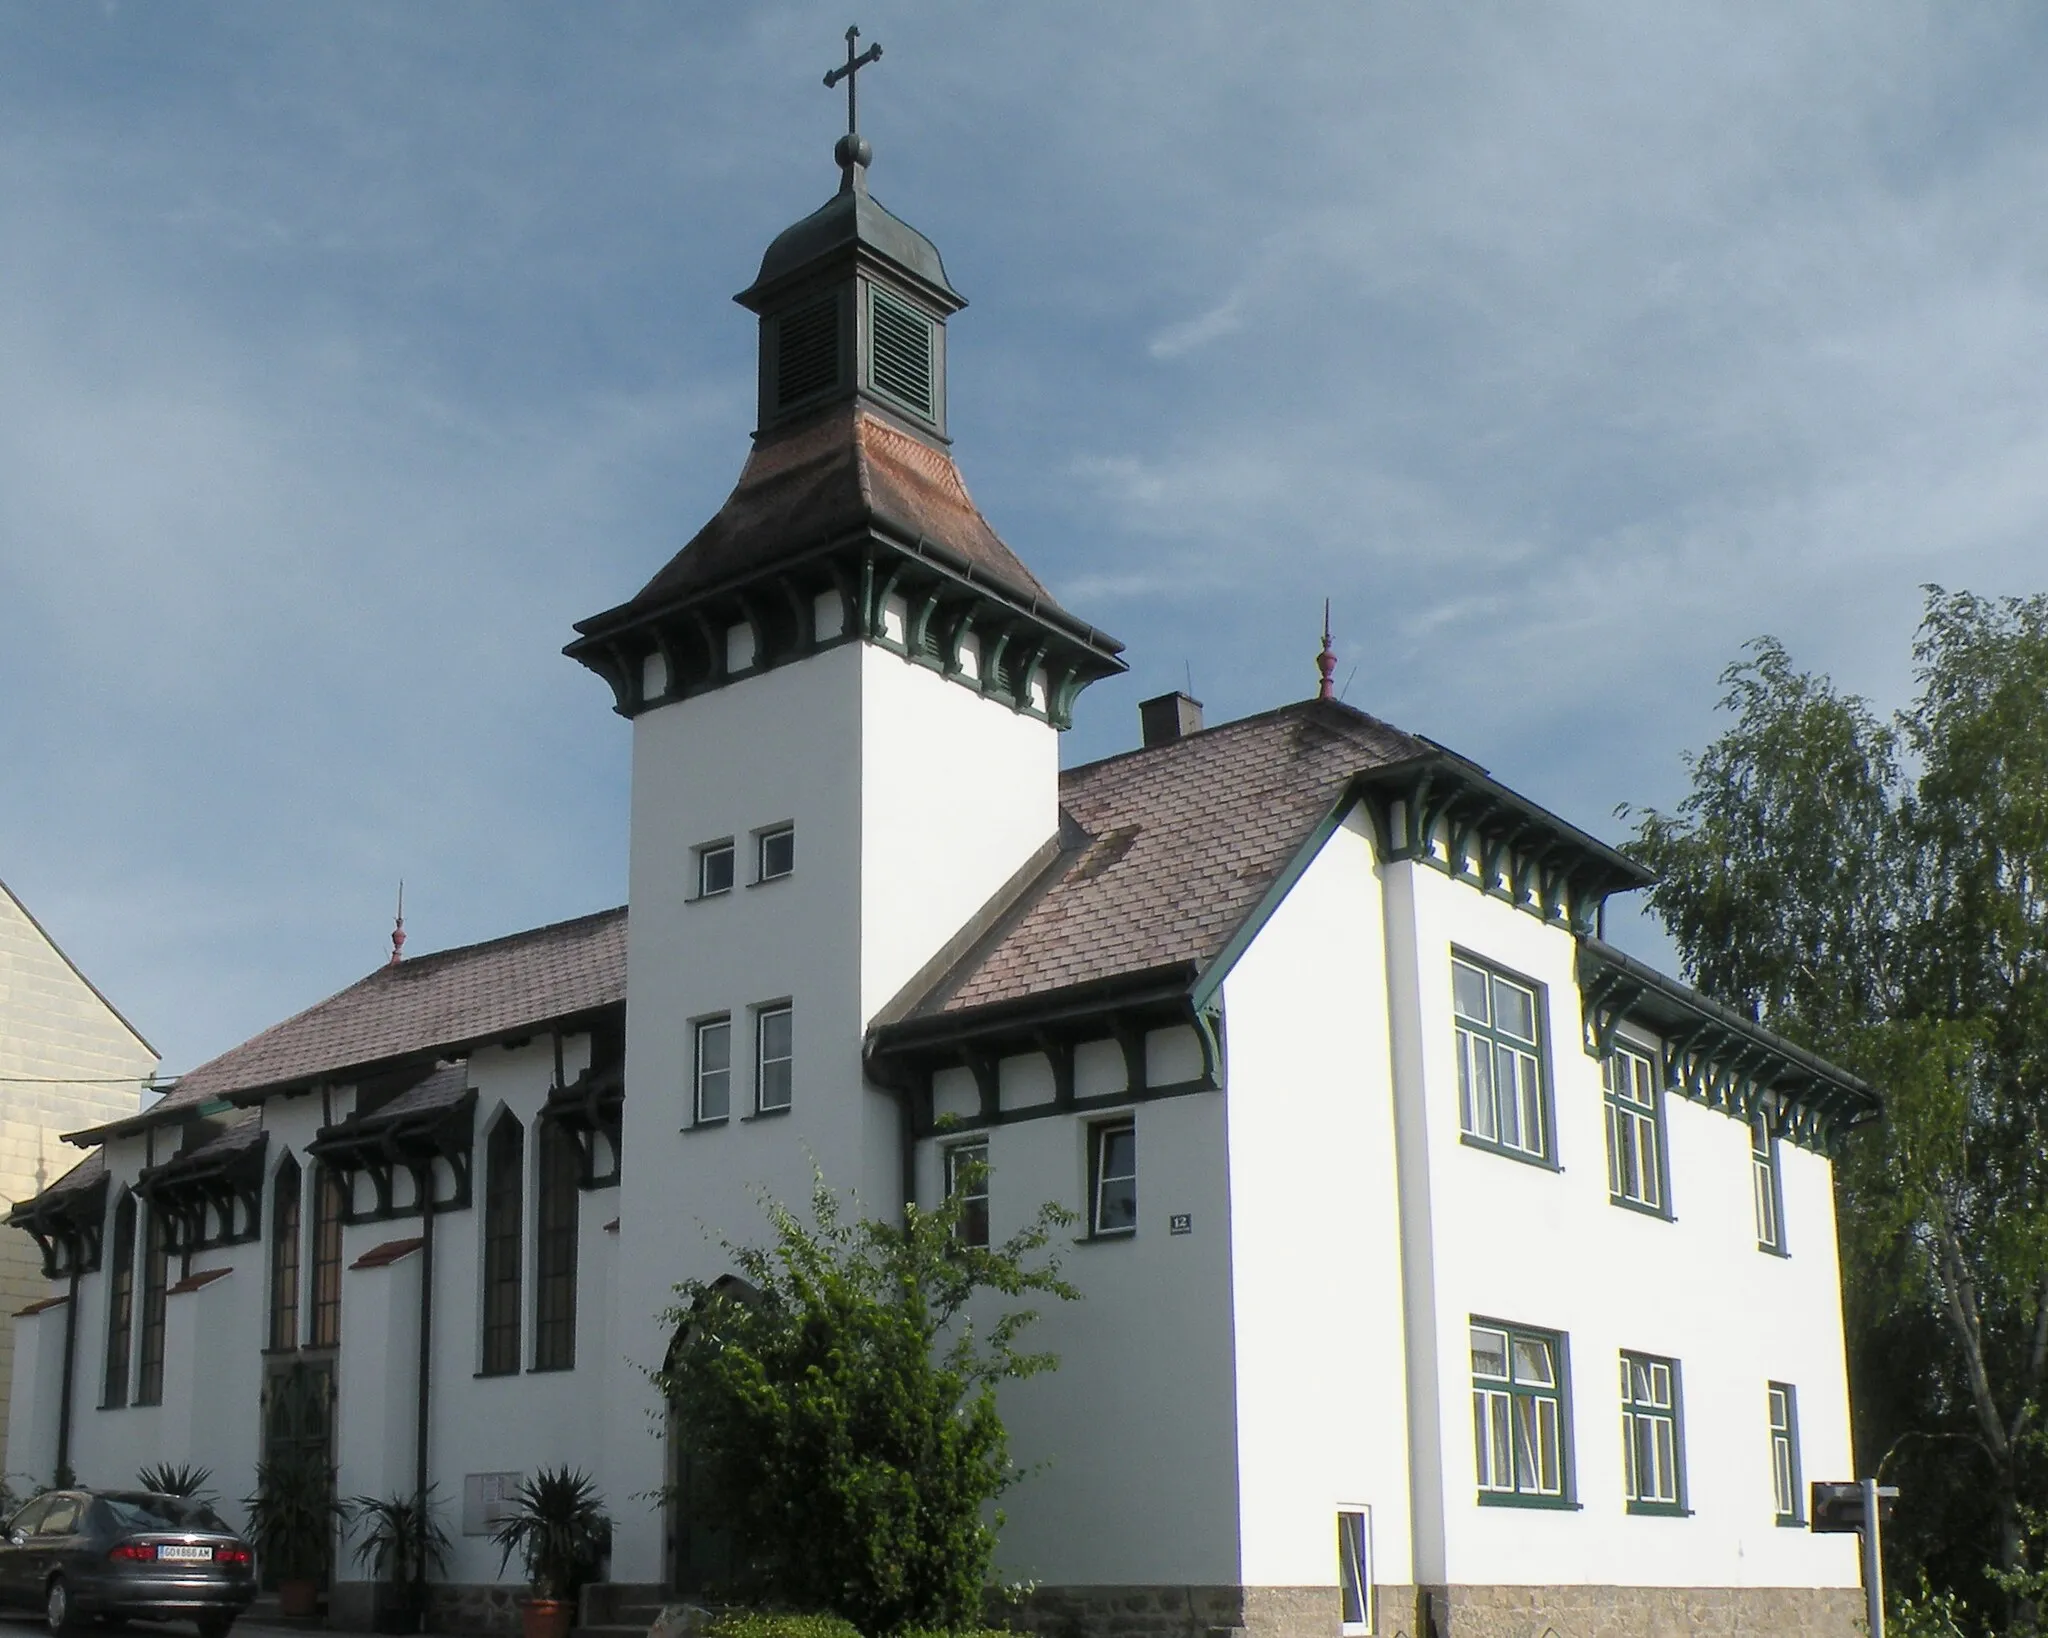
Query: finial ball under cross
[{"x": 853, "y": 148}]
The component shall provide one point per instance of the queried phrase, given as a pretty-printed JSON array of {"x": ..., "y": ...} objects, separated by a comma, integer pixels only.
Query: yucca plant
[
  {"x": 175, "y": 1479},
  {"x": 401, "y": 1542},
  {"x": 559, "y": 1529},
  {"x": 292, "y": 1516}
]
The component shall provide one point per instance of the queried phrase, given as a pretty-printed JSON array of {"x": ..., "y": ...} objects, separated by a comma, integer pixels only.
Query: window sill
[
  {"x": 705, "y": 898},
  {"x": 770, "y": 881},
  {"x": 1659, "y": 1510},
  {"x": 1790, "y": 1524},
  {"x": 1098, "y": 1237},
  {"x": 492, "y": 1376},
  {"x": 1547, "y": 1504},
  {"x": 1540, "y": 1162},
  {"x": 1774, "y": 1251},
  {"x": 767, "y": 1114},
  {"x": 1641, "y": 1209},
  {"x": 709, "y": 1125},
  {"x": 549, "y": 1370}
]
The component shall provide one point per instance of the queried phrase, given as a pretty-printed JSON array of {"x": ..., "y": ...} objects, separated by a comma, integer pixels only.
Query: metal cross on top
[{"x": 849, "y": 71}]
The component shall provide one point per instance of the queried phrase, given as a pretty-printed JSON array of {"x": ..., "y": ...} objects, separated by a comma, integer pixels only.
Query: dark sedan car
[{"x": 117, "y": 1554}]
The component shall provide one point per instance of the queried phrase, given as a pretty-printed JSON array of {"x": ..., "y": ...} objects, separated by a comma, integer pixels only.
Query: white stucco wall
[
  {"x": 1130, "y": 1439},
  {"x": 1530, "y": 1245},
  {"x": 1315, "y": 1268},
  {"x": 913, "y": 800}
]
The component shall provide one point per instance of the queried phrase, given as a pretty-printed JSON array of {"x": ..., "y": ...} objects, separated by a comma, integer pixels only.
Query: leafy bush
[
  {"x": 840, "y": 1408},
  {"x": 779, "y": 1624},
  {"x": 1923, "y": 1614}
]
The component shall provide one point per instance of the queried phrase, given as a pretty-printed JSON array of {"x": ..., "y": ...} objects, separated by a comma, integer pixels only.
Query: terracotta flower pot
[
  {"x": 546, "y": 1618},
  {"x": 297, "y": 1597}
]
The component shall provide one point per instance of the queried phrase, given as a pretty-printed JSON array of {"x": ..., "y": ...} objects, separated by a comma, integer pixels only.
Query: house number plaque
[{"x": 1181, "y": 1222}]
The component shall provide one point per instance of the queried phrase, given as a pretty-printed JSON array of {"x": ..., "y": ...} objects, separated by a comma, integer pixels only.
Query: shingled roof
[
  {"x": 1169, "y": 849},
  {"x": 447, "y": 1000},
  {"x": 819, "y": 483}
]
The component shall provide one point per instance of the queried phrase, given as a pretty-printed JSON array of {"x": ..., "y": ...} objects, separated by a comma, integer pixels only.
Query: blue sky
[{"x": 349, "y": 353}]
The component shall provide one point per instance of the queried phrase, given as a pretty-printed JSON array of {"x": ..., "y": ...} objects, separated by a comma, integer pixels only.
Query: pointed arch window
[
  {"x": 560, "y": 1185},
  {"x": 156, "y": 1281},
  {"x": 120, "y": 1302},
  {"x": 504, "y": 1189},
  {"x": 328, "y": 1204},
  {"x": 284, "y": 1257}
]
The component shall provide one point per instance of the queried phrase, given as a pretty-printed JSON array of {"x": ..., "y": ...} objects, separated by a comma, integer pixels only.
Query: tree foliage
[
  {"x": 1877, "y": 889},
  {"x": 838, "y": 1399}
]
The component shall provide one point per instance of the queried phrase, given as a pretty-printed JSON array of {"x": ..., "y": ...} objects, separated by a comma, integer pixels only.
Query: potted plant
[
  {"x": 402, "y": 1544},
  {"x": 292, "y": 1518},
  {"x": 560, "y": 1531},
  {"x": 176, "y": 1479}
]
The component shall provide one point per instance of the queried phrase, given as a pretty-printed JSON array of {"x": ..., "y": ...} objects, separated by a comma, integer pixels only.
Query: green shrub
[{"x": 779, "y": 1624}]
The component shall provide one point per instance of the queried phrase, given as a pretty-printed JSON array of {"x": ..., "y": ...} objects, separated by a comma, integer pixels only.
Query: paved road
[{"x": 18, "y": 1625}]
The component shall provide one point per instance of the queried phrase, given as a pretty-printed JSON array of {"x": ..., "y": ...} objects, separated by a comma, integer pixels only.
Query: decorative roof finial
[
  {"x": 398, "y": 931},
  {"x": 853, "y": 152},
  {"x": 1326, "y": 662}
]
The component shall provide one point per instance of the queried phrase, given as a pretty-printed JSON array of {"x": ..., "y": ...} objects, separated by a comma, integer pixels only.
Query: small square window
[
  {"x": 1354, "y": 1570},
  {"x": 775, "y": 853},
  {"x": 1113, "y": 1182},
  {"x": 714, "y": 1069},
  {"x": 774, "y": 1058},
  {"x": 714, "y": 869},
  {"x": 967, "y": 1182}
]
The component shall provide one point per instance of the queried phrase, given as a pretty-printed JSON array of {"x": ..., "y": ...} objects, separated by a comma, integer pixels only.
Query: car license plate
[{"x": 189, "y": 1554}]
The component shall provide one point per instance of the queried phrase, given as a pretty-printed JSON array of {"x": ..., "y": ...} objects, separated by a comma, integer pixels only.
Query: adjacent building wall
[{"x": 68, "y": 1060}]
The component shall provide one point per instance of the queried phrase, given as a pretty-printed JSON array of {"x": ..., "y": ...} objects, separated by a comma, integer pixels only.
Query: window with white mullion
[
  {"x": 1785, "y": 1487},
  {"x": 1770, "y": 1196},
  {"x": 1652, "y": 1442},
  {"x": 1502, "y": 1099},
  {"x": 1518, "y": 1415},
  {"x": 1635, "y": 1137}
]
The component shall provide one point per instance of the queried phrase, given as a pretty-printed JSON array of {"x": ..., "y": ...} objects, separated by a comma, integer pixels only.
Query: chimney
[{"x": 1168, "y": 718}]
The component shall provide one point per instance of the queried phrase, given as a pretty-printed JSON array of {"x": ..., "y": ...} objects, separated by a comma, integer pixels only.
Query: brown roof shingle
[
  {"x": 820, "y": 482},
  {"x": 447, "y": 999},
  {"x": 1171, "y": 848}
]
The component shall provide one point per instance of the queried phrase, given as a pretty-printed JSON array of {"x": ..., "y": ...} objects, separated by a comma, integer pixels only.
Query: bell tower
[
  {"x": 853, "y": 301},
  {"x": 846, "y": 694}
]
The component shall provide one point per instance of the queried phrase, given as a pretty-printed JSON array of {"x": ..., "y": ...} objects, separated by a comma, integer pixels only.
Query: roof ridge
[
  {"x": 453, "y": 950},
  {"x": 1304, "y": 708}
]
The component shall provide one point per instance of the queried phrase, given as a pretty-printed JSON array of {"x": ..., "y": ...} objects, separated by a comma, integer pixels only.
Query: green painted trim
[
  {"x": 1212, "y": 976},
  {"x": 1543, "y": 1163},
  {"x": 1515, "y": 1498},
  {"x": 1657, "y": 1213},
  {"x": 959, "y": 1124},
  {"x": 1659, "y": 1510}
]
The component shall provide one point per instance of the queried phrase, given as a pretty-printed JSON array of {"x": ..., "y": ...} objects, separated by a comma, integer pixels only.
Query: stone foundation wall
[
  {"x": 1636, "y": 1612},
  {"x": 1440, "y": 1612},
  {"x": 474, "y": 1607}
]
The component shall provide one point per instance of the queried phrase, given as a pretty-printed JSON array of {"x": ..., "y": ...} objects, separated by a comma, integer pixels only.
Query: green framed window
[
  {"x": 967, "y": 1182},
  {"x": 1636, "y": 1172},
  {"x": 1113, "y": 1179},
  {"x": 1652, "y": 1435},
  {"x": 1521, "y": 1421},
  {"x": 1770, "y": 1193},
  {"x": 1787, "y": 1493},
  {"x": 1503, "y": 1092},
  {"x": 713, "y": 1071}
]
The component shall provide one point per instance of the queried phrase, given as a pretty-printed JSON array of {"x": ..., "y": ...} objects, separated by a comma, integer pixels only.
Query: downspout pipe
[
  {"x": 424, "y": 1175},
  {"x": 63, "y": 1473}
]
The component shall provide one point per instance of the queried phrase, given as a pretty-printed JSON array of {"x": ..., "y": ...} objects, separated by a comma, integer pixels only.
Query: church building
[{"x": 1446, "y": 1270}]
